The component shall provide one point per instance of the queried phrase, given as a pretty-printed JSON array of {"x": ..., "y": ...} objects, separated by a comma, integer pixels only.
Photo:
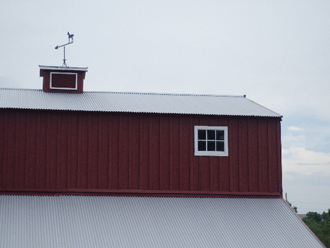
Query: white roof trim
[{"x": 61, "y": 68}]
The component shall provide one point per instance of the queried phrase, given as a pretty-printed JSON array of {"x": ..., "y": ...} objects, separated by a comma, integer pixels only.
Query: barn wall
[{"x": 120, "y": 153}]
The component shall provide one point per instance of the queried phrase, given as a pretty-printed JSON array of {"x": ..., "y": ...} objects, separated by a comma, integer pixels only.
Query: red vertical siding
[
  {"x": 72, "y": 172},
  {"x": 9, "y": 153},
  {"x": 115, "y": 152},
  {"x": 20, "y": 157},
  {"x": 243, "y": 177},
  {"x": 134, "y": 151},
  {"x": 59, "y": 151},
  {"x": 123, "y": 152},
  {"x": 93, "y": 148},
  {"x": 41, "y": 155},
  {"x": 233, "y": 140},
  {"x": 204, "y": 163},
  {"x": 263, "y": 155},
  {"x": 184, "y": 154},
  {"x": 144, "y": 155},
  {"x": 62, "y": 148},
  {"x": 193, "y": 161},
  {"x": 2, "y": 148},
  {"x": 272, "y": 156},
  {"x": 224, "y": 167},
  {"x": 279, "y": 157},
  {"x": 164, "y": 158},
  {"x": 214, "y": 162},
  {"x": 174, "y": 152},
  {"x": 82, "y": 151},
  {"x": 253, "y": 154},
  {"x": 103, "y": 151},
  {"x": 154, "y": 143}
]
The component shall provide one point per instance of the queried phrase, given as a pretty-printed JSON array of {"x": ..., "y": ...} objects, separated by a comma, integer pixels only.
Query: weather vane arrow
[{"x": 70, "y": 41}]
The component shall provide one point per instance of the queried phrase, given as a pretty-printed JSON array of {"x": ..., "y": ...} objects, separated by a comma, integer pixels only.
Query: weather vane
[{"x": 70, "y": 38}]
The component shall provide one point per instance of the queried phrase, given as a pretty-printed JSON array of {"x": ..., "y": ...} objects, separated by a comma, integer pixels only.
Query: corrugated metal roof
[
  {"x": 87, "y": 221},
  {"x": 133, "y": 102}
]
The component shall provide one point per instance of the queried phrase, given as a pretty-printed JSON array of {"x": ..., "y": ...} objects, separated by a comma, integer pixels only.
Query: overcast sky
[{"x": 275, "y": 52}]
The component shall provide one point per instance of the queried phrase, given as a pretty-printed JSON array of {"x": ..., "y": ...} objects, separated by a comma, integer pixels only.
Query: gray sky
[{"x": 275, "y": 52}]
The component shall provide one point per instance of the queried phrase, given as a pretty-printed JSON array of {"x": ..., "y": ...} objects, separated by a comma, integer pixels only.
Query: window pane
[
  {"x": 211, "y": 134},
  {"x": 201, "y": 145},
  {"x": 202, "y": 134},
  {"x": 211, "y": 146},
  {"x": 220, "y": 135},
  {"x": 220, "y": 146}
]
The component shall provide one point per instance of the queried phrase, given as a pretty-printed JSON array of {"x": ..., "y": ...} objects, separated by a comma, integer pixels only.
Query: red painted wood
[
  {"x": 184, "y": 154},
  {"x": 110, "y": 150},
  {"x": 93, "y": 142},
  {"x": 20, "y": 157},
  {"x": 194, "y": 160},
  {"x": 204, "y": 163},
  {"x": 164, "y": 156},
  {"x": 63, "y": 150},
  {"x": 31, "y": 144},
  {"x": 224, "y": 167},
  {"x": 174, "y": 152},
  {"x": 154, "y": 143},
  {"x": 3, "y": 117},
  {"x": 54, "y": 150},
  {"x": 233, "y": 142},
  {"x": 214, "y": 161},
  {"x": 272, "y": 156},
  {"x": 279, "y": 157},
  {"x": 161, "y": 193},
  {"x": 82, "y": 151},
  {"x": 123, "y": 152},
  {"x": 243, "y": 156},
  {"x": 41, "y": 156},
  {"x": 72, "y": 151},
  {"x": 263, "y": 154},
  {"x": 134, "y": 145},
  {"x": 253, "y": 154},
  {"x": 144, "y": 155},
  {"x": 45, "y": 73},
  {"x": 9, "y": 152},
  {"x": 103, "y": 151},
  {"x": 114, "y": 149}
]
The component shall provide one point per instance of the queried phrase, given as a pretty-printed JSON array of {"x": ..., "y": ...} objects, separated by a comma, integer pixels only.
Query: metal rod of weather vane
[{"x": 64, "y": 63}]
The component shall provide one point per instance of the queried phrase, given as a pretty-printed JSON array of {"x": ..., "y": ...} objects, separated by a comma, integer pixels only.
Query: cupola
[{"x": 63, "y": 78}]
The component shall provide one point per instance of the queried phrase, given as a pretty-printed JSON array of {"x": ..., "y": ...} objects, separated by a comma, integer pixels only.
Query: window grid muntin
[{"x": 212, "y": 139}]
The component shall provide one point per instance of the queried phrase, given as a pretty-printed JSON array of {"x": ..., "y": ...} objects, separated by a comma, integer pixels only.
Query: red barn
[{"x": 64, "y": 141}]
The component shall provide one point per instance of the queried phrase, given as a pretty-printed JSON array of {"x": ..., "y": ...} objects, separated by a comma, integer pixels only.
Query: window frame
[
  {"x": 63, "y": 88},
  {"x": 211, "y": 153}
]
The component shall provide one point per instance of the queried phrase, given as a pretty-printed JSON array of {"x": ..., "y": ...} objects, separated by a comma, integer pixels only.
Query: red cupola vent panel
[{"x": 63, "y": 79}]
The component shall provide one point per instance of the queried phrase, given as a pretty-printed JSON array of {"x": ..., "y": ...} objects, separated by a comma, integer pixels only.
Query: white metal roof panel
[
  {"x": 61, "y": 68},
  {"x": 133, "y": 102},
  {"x": 89, "y": 221}
]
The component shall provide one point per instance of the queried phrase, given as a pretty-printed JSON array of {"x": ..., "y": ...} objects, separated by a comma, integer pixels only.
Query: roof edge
[{"x": 61, "y": 68}]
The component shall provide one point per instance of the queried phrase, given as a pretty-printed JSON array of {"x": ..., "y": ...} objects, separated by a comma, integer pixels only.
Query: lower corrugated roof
[
  {"x": 133, "y": 102},
  {"x": 88, "y": 221}
]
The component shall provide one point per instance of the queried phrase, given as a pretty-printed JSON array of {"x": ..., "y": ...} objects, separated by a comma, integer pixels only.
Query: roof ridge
[
  {"x": 139, "y": 93},
  {"x": 166, "y": 94},
  {"x": 21, "y": 89}
]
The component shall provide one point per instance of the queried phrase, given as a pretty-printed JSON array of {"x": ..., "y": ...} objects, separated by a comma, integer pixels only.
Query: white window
[
  {"x": 211, "y": 141},
  {"x": 63, "y": 80}
]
